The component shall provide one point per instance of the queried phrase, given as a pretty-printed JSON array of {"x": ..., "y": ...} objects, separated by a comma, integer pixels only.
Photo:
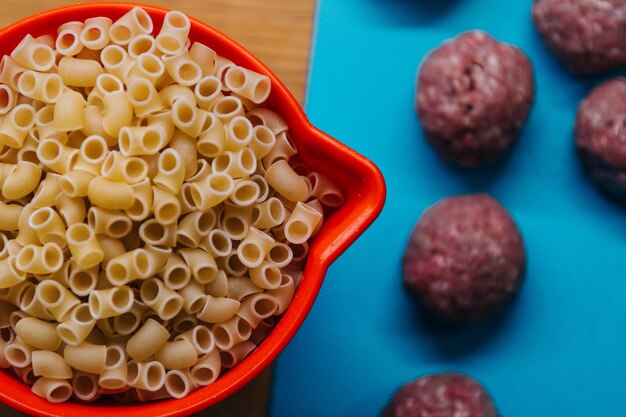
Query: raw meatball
[
  {"x": 600, "y": 133},
  {"x": 589, "y": 36},
  {"x": 473, "y": 97},
  {"x": 441, "y": 395},
  {"x": 465, "y": 258}
]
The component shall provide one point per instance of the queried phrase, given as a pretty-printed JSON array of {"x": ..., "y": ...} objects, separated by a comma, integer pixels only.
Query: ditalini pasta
[{"x": 154, "y": 222}]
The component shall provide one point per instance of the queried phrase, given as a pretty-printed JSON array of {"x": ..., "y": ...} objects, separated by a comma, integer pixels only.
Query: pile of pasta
[{"x": 154, "y": 216}]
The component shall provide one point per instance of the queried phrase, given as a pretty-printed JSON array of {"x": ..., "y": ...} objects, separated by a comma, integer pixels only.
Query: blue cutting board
[{"x": 560, "y": 348}]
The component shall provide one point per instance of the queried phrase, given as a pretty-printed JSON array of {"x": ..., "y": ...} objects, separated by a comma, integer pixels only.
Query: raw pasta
[{"x": 150, "y": 229}]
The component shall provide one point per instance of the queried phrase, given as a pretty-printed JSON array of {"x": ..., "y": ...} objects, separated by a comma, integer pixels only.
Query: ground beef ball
[
  {"x": 465, "y": 258},
  {"x": 600, "y": 136},
  {"x": 589, "y": 36},
  {"x": 473, "y": 97},
  {"x": 441, "y": 395}
]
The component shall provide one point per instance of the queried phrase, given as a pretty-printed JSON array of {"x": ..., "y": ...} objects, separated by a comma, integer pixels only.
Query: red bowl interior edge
[{"x": 361, "y": 181}]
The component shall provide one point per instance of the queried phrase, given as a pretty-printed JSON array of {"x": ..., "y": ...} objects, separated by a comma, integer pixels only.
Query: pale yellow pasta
[
  {"x": 200, "y": 337},
  {"x": 204, "y": 56},
  {"x": 86, "y": 357},
  {"x": 141, "y": 44},
  {"x": 140, "y": 140},
  {"x": 94, "y": 125},
  {"x": 201, "y": 264},
  {"x": 266, "y": 275},
  {"x": 174, "y": 92},
  {"x": 15, "y": 126},
  {"x": 75, "y": 138},
  {"x": 53, "y": 390},
  {"x": 118, "y": 112},
  {"x": 185, "y": 145},
  {"x": 69, "y": 112},
  {"x": 95, "y": 33},
  {"x": 182, "y": 68},
  {"x": 13, "y": 247},
  {"x": 10, "y": 274},
  {"x": 236, "y": 220},
  {"x": 237, "y": 164},
  {"x": 93, "y": 151},
  {"x": 173, "y": 35},
  {"x": 268, "y": 214},
  {"x": 33, "y": 55},
  {"x": 236, "y": 354},
  {"x": 179, "y": 383},
  {"x": 154, "y": 233},
  {"x": 207, "y": 91},
  {"x": 245, "y": 193},
  {"x": 57, "y": 299},
  {"x": 111, "y": 247},
  {"x": 193, "y": 296},
  {"x": 211, "y": 191},
  {"x": 179, "y": 354},
  {"x": 194, "y": 226},
  {"x": 231, "y": 332},
  {"x": 263, "y": 140},
  {"x": 148, "y": 376},
  {"x": 301, "y": 223},
  {"x": 79, "y": 72},
  {"x": 249, "y": 84},
  {"x": 77, "y": 327},
  {"x": 222, "y": 65},
  {"x": 82, "y": 281},
  {"x": 142, "y": 206},
  {"x": 109, "y": 194},
  {"x": 147, "y": 66},
  {"x": 183, "y": 323},
  {"x": 50, "y": 365},
  {"x": 126, "y": 169},
  {"x": 48, "y": 226},
  {"x": 110, "y": 302},
  {"x": 286, "y": 181},
  {"x": 72, "y": 210},
  {"x": 164, "y": 301},
  {"x": 129, "y": 266},
  {"x": 284, "y": 149},
  {"x": 111, "y": 223},
  {"x": 165, "y": 206},
  {"x": 28, "y": 152},
  {"x": 85, "y": 387},
  {"x": 18, "y": 353},
  {"x": 83, "y": 245},
  {"x": 143, "y": 97},
  {"x": 212, "y": 141},
  {"x": 147, "y": 341},
  {"x": 15, "y": 293},
  {"x": 68, "y": 39},
  {"x": 187, "y": 117},
  {"x": 257, "y": 307},
  {"x": 105, "y": 84},
  {"x": 44, "y": 259},
  {"x": 219, "y": 286},
  {"x": 175, "y": 273},
  {"x": 218, "y": 310},
  {"x": 75, "y": 183},
  {"x": 127, "y": 323},
  {"x": 162, "y": 122},
  {"x": 31, "y": 305},
  {"x": 133, "y": 23},
  {"x": 10, "y": 71},
  {"x": 4, "y": 250},
  {"x": 185, "y": 199},
  {"x": 40, "y": 86},
  {"x": 241, "y": 287},
  {"x": 226, "y": 108},
  {"x": 115, "y": 372},
  {"x": 21, "y": 180},
  {"x": 11, "y": 214},
  {"x": 281, "y": 254},
  {"x": 268, "y": 118},
  {"x": 38, "y": 333},
  {"x": 8, "y": 99},
  {"x": 171, "y": 173},
  {"x": 207, "y": 369}
]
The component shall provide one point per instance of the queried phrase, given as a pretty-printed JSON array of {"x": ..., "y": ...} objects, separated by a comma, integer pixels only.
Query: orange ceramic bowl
[{"x": 361, "y": 181}]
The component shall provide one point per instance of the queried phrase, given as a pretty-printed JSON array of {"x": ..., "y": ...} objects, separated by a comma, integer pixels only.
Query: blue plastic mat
[{"x": 560, "y": 348}]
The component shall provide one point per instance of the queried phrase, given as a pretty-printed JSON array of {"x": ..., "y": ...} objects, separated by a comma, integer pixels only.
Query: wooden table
[{"x": 276, "y": 31}]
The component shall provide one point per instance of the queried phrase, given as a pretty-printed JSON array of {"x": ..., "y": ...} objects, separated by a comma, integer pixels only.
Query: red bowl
[{"x": 361, "y": 181}]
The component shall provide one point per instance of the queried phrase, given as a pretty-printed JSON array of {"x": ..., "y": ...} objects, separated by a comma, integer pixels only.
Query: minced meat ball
[
  {"x": 465, "y": 258},
  {"x": 589, "y": 36},
  {"x": 601, "y": 136},
  {"x": 473, "y": 98},
  {"x": 441, "y": 395}
]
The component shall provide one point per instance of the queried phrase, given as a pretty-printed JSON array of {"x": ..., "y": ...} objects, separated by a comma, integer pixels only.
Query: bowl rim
[{"x": 266, "y": 352}]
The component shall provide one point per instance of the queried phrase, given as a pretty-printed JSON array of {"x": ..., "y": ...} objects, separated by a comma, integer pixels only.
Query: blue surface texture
[{"x": 560, "y": 348}]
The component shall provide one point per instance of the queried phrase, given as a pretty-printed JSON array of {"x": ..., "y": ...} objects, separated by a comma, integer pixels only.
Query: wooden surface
[{"x": 276, "y": 31}]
